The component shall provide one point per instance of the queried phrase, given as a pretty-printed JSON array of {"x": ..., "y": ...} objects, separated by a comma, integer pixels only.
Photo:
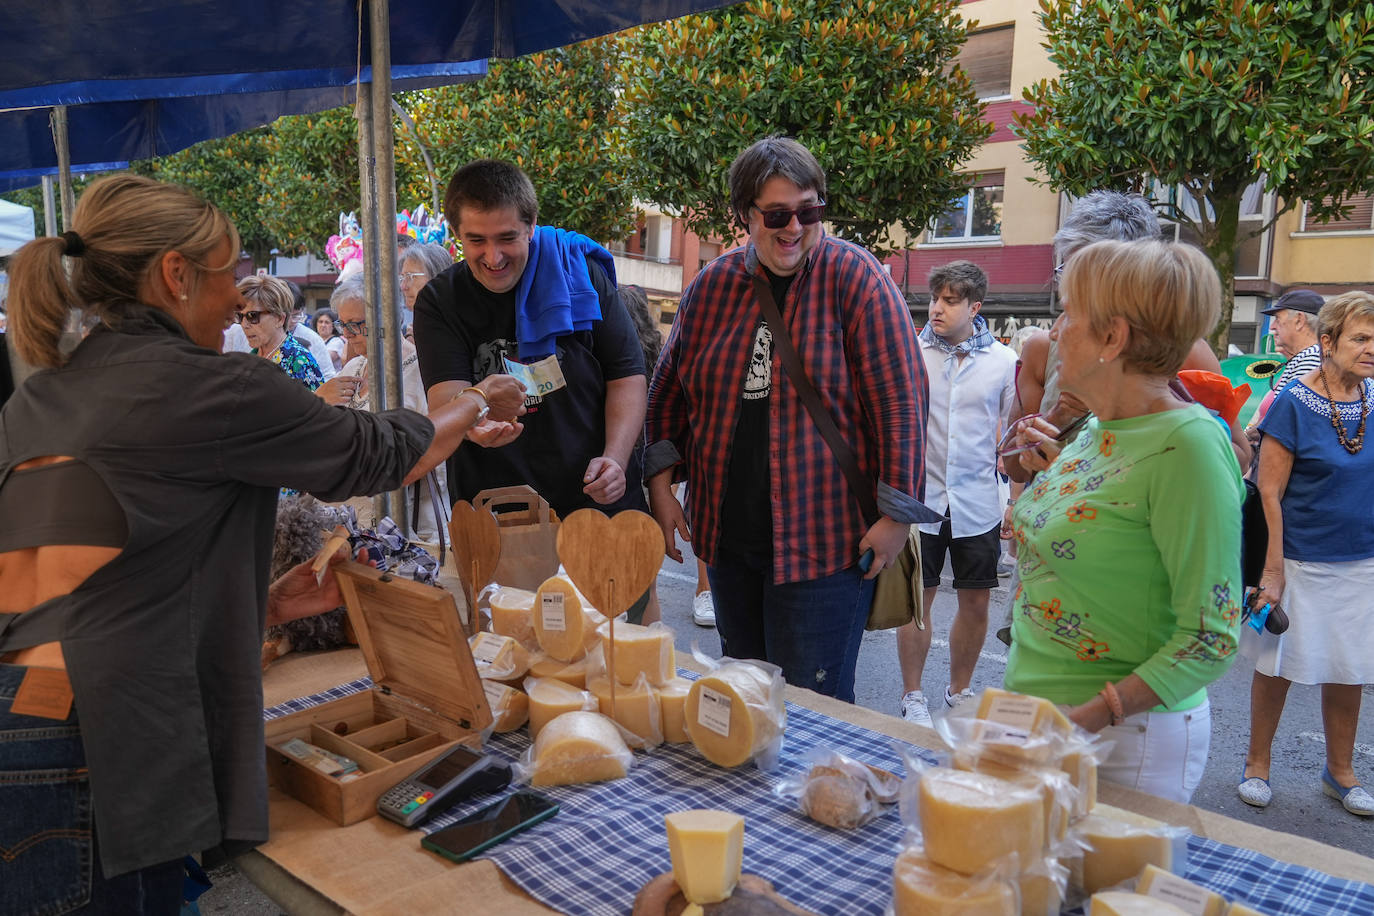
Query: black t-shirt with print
[{"x": 462, "y": 332}]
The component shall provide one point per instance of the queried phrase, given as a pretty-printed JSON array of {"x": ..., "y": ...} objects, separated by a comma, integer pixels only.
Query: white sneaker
[
  {"x": 704, "y": 610},
  {"x": 958, "y": 698},
  {"x": 916, "y": 709}
]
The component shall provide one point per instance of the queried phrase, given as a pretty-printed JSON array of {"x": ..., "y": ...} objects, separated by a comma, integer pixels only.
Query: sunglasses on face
[
  {"x": 779, "y": 219},
  {"x": 248, "y": 317},
  {"x": 353, "y": 327}
]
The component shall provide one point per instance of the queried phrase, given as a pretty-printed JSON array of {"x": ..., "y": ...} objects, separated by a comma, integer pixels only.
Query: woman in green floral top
[
  {"x": 1129, "y": 538},
  {"x": 266, "y": 309}
]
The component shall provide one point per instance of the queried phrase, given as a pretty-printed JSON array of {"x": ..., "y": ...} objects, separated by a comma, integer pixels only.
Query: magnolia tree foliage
[
  {"x": 1208, "y": 97},
  {"x": 864, "y": 85},
  {"x": 553, "y": 114}
]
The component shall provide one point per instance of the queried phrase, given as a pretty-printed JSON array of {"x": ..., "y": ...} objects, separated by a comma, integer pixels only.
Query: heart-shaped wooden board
[
  {"x": 611, "y": 560},
  {"x": 476, "y": 540}
]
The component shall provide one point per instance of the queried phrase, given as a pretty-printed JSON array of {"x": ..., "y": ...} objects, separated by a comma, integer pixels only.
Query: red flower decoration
[
  {"x": 1108, "y": 441},
  {"x": 1080, "y": 512},
  {"x": 1051, "y": 609},
  {"x": 1069, "y": 488},
  {"x": 1090, "y": 650}
]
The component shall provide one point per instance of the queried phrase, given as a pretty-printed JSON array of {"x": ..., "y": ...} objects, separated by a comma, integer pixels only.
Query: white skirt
[{"x": 1330, "y": 638}]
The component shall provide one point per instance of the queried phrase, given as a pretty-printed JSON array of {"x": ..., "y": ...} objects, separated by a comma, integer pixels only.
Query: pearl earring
[{"x": 1099, "y": 359}]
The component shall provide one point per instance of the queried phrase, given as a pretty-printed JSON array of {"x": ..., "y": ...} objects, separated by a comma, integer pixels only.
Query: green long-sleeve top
[{"x": 1129, "y": 553}]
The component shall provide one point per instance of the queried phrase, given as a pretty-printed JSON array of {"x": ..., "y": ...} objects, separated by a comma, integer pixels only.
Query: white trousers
[{"x": 1163, "y": 753}]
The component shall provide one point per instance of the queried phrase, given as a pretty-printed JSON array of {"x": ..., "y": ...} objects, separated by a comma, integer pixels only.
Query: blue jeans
[
  {"x": 810, "y": 629},
  {"x": 49, "y": 863}
]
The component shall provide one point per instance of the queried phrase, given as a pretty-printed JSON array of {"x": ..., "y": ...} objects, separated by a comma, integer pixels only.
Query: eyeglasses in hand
[
  {"x": 779, "y": 219},
  {"x": 1005, "y": 447}
]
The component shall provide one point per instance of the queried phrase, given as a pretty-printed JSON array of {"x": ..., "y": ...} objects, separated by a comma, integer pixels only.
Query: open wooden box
[{"x": 426, "y": 697}]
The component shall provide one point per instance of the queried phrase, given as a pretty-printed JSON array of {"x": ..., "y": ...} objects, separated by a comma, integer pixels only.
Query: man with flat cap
[{"x": 1294, "y": 324}]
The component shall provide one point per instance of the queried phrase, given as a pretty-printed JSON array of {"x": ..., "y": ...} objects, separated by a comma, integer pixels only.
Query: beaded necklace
[{"x": 1352, "y": 446}]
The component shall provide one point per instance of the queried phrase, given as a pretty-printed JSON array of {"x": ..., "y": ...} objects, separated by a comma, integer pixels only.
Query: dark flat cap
[{"x": 1299, "y": 300}]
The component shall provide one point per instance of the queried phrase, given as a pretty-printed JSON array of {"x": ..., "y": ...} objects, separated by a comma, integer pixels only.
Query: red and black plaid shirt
[{"x": 851, "y": 326}]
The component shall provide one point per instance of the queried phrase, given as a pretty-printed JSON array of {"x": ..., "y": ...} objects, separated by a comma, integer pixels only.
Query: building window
[
  {"x": 986, "y": 58},
  {"x": 1359, "y": 219},
  {"x": 974, "y": 216},
  {"x": 1256, "y": 210},
  {"x": 706, "y": 253}
]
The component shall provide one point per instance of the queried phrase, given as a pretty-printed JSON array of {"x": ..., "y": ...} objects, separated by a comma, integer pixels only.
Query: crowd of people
[{"x": 138, "y": 527}]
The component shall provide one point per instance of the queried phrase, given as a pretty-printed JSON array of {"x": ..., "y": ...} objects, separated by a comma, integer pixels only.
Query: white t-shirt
[
  {"x": 315, "y": 342},
  {"x": 337, "y": 348},
  {"x": 235, "y": 341}
]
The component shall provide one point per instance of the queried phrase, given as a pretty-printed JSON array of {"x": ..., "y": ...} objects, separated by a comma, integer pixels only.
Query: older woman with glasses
[
  {"x": 264, "y": 314},
  {"x": 419, "y": 265},
  {"x": 1129, "y": 538}
]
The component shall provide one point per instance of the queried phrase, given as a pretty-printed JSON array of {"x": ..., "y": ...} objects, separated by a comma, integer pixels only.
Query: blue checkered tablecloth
[{"x": 608, "y": 839}]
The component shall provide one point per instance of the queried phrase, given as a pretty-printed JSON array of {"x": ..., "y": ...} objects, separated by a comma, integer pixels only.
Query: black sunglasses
[
  {"x": 779, "y": 219},
  {"x": 249, "y": 317},
  {"x": 354, "y": 327}
]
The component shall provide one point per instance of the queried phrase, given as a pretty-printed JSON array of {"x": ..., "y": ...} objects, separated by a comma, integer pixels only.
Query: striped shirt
[{"x": 854, "y": 333}]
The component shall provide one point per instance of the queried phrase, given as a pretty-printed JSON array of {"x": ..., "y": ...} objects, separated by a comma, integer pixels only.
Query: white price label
[
  {"x": 486, "y": 647},
  {"x": 714, "y": 711},
  {"x": 997, "y": 733},
  {"x": 1018, "y": 712},
  {"x": 1183, "y": 894},
  {"x": 552, "y": 613},
  {"x": 494, "y": 690}
]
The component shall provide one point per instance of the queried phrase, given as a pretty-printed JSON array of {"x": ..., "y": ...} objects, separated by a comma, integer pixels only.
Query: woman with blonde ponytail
[{"x": 139, "y": 470}]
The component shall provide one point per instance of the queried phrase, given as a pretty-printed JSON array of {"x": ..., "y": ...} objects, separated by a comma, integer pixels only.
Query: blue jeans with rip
[
  {"x": 810, "y": 629},
  {"x": 49, "y": 862}
]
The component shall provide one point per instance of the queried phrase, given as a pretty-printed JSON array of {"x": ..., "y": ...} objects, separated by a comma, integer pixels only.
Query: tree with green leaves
[
  {"x": 1208, "y": 98},
  {"x": 553, "y": 114},
  {"x": 866, "y": 85}
]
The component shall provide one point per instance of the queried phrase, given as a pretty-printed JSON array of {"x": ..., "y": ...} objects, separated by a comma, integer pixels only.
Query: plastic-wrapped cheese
[
  {"x": 1162, "y": 885},
  {"x": 920, "y": 887},
  {"x": 499, "y": 658},
  {"x": 707, "y": 851},
  {"x": 563, "y": 622},
  {"x": 512, "y": 614},
  {"x": 1078, "y": 764},
  {"x": 1121, "y": 844},
  {"x": 639, "y": 650},
  {"x": 732, "y": 714},
  {"x": 1240, "y": 909},
  {"x": 574, "y": 673},
  {"x": 636, "y": 707},
  {"x": 1124, "y": 903},
  {"x": 969, "y": 819},
  {"x": 550, "y": 699},
  {"x": 1041, "y": 895},
  {"x": 1034, "y": 714},
  {"x": 579, "y": 747},
  {"x": 1056, "y": 794},
  {"x": 510, "y": 708},
  {"x": 672, "y": 705}
]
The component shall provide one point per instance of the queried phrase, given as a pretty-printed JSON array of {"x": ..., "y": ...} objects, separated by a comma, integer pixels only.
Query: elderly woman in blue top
[{"x": 1316, "y": 480}]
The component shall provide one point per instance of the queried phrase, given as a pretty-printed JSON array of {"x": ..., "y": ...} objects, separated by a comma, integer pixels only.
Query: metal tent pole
[
  {"x": 367, "y": 206},
  {"x": 58, "y": 120},
  {"x": 49, "y": 207}
]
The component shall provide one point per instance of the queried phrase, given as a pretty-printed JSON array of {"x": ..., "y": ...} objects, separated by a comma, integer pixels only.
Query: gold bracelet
[{"x": 475, "y": 390}]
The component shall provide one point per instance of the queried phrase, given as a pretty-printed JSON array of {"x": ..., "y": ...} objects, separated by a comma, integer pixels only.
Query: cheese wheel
[
  {"x": 1036, "y": 715},
  {"x": 672, "y": 705},
  {"x": 564, "y": 624},
  {"x": 707, "y": 851},
  {"x": 1041, "y": 895},
  {"x": 1191, "y": 898},
  {"x": 730, "y": 716},
  {"x": 579, "y": 747},
  {"x": 969, "y": 819},
  {"x": 499, "y": 658},
  {"x": 1121, "y": 844},
  {"x": 510, "y": 708},
  {"x": 920, "y": 887},
  {"x": 1124, "y": 903},
  {"x": 512, "y": 614},
  {"x": 636, "y": 708},
  {"x": 1050, "y": 785},
  {"x": 550, "y": 699},
  {"x": 574, "y": 673},
  {"x": 639, "y": 650}
]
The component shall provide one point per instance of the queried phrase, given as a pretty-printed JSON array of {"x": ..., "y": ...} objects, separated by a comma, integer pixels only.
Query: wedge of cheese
[
  {"x": 636, "y": 707},
  {"x": 512, "y": 614},
  {"x": 574, "y": 673},
  {"x": 510, "y": 708},
  {"x": 564, "y": 624},
  {"x": 707, "y": 850},
  {"x": 499, "y": 658},
  {"x": 1121, "y": 844},
  {"x": 730, "y": 713},
  {"x": 672, "y": 705},
  {"x": 1240, "y": 909},
  {"x": 639, "y": 650},
  {"x": 920, "y": 887},
  {"x": 1034, "y": 714},
  {"x": 579, "y": 747},
  {"x": 1191, "y": 898},
  {"x": 1078, "y": 764},
  {"x": 969, "y": 819},
  {"x": 1124, "y": 903},
  {"x": 551, "y": 698}
]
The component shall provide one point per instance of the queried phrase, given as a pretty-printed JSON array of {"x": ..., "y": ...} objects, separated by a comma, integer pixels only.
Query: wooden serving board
[{"x": 754, "y": 896}]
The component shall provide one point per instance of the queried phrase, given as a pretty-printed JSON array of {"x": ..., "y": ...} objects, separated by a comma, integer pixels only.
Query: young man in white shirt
[{"x": 972, "y": 390}]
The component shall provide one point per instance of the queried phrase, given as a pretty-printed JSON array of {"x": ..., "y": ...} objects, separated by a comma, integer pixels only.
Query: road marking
[
  {"x": 1366, "y": 750},
  {"x": 677, "y": 577},
  {"x": 936, "y": 642}
]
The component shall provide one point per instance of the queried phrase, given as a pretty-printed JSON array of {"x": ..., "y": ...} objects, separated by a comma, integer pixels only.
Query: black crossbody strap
[{"x": 811, "y": 399}]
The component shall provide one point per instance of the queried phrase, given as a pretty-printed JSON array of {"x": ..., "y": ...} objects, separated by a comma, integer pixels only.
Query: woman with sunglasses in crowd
[
  {"x": 264, "y": 314},
  {"x": 139, "y": 471},
  {"x": 1129, "y": 537}
]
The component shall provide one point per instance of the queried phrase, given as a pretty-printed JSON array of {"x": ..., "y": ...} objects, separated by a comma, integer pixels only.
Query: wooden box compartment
[{"x": 426, "y": 698}]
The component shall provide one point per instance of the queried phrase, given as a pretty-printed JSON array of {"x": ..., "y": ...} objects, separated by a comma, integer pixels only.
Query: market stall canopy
[{"x": 16, "y": 227}]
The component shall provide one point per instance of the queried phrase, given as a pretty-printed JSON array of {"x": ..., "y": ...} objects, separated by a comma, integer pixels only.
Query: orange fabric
[{"x": 1214, "y": 392}]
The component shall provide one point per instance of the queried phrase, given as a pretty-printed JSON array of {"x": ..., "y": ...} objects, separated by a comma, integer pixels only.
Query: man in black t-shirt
[{"x": 541, "y": 302}]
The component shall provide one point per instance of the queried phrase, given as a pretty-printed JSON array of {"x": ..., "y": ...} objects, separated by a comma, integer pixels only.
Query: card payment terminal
[{"x": 457, "y": 775}]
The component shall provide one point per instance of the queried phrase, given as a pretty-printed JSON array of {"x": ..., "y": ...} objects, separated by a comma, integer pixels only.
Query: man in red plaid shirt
[{"x": 774, "y": 518}]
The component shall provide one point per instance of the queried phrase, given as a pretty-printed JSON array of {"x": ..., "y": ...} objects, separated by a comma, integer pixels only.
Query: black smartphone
[
  {"x": 483, "y": 829},
  {"x": 866, "y": 560}
]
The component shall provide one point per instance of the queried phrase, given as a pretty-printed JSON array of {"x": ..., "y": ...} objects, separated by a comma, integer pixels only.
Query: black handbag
[{"x": 1254, "y": 537}]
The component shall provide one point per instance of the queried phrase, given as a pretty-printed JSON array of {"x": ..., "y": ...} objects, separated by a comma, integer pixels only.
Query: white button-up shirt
[{"x": 970, "y": 399}]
